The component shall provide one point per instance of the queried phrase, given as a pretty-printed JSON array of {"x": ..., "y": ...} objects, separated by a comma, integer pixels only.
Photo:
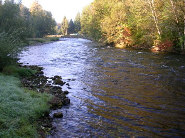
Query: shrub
[
  {"x": 9, "y": 47},
  {"x": 54, "y": 38}
]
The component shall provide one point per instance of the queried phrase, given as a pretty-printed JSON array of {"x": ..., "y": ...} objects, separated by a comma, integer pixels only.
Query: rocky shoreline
[{"x": 42, "y": 84}]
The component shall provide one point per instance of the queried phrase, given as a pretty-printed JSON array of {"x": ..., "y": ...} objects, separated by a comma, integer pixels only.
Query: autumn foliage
[
  {"x": 135, "y": 23},
  {"x": 165, "y": 46}
]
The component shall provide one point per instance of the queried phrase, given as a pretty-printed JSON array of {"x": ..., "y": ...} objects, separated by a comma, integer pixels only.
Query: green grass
[
  {"x": 16, "y": 71},
  {"x": 20, "y": 109}
]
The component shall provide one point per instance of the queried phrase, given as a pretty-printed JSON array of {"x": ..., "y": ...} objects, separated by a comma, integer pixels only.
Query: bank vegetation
[{"x": 148, "y": 24}]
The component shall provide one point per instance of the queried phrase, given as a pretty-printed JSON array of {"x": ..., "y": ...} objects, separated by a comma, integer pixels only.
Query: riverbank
[
  {"x": 27, "y": 97},
  {"x": 24, "y": 106},
  {"x": 44, "y": 40},
  {"x": 53, "y": 86},
  {"x": 20, "y": 108}
]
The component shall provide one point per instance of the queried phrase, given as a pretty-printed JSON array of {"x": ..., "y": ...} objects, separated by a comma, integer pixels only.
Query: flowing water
[{"x": 114, "y": 92}]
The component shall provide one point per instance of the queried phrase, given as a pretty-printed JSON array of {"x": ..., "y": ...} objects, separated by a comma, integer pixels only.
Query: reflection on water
[{"x": 115, "y": 93}]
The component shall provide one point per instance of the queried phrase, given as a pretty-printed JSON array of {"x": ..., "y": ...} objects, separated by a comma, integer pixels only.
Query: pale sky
[{"x": 61, "y": 8}]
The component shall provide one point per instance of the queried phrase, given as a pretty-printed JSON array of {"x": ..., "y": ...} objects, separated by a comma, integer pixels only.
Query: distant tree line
[
  {"x": 69, "y": 27},
  {"x": 33, "y": 22},
  {"x": 136, "y": 23}
]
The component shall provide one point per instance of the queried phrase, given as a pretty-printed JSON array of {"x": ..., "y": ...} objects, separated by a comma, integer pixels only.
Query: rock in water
[
  {"x": 66, "y": 101},
  {"x": 59, "y": 82},
  {"x": 55, "y": 102},
  {"x": 58, "y": 115},
  {"x": 66, "y": 92},
  {"x": 56, "y": 77}
]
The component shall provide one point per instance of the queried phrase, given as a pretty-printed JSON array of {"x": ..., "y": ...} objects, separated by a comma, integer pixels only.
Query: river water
[{"x": 114, "y": 92}]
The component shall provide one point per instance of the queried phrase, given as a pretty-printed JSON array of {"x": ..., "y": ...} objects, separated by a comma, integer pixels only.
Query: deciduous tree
[{"x": 64, "y": 26}]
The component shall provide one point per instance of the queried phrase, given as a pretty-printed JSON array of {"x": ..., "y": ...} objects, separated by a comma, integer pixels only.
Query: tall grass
[
  {"x": 19, "y": 72},
  {"x": 19, "y": 108}
]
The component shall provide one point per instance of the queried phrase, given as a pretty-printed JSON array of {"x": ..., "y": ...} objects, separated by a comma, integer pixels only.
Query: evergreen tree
[
  {"x": 71, "y": 28},
  {"x": 77, "y": 23}
]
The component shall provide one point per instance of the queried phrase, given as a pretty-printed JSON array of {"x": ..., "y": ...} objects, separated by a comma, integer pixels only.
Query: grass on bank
[
  {"x": 18, "y": 71},
  {"x": 33, "y": 41},
  {"x": 20, "y": 108}
]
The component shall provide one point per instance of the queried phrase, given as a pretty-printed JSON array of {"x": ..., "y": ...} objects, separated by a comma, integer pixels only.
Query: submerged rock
[
  {"x": 69, "y": 87},
  {"x": 58, "y": 115},
  {"x": 66, "y": 101},
  {"x": 65, "y": 92},
  {"x": 56, "y": 77}
]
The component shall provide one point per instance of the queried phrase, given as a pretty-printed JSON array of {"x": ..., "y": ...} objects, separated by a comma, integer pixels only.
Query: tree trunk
[
  {"x": 174, "y": 11},
  {"x": 154, "y": 14}
]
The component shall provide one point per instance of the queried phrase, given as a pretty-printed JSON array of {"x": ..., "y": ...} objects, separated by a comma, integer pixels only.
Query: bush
[
  {"x": 9, "y": 46},
  {"x": 54, "y": 38}
]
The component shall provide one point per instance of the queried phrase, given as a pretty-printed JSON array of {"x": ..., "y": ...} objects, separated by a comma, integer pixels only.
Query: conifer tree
[
  {"x": 77, "y": 23},
  {"x": 71, "y": 28}
]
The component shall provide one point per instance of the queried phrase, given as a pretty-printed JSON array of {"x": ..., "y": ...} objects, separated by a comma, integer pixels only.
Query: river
[{"x": 114, "y": 92}]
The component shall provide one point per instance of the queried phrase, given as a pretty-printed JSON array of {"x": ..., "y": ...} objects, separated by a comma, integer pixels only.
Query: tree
[
  {"x": 9, "y": 16},
  {"x": 90, "y": 22},
  {"x": 18, "y": 23},
  {"x": 36, "y": 9},
  {"x": 136, "y": 23},
  {"x": 42, "y": 21},
  {"x": 154, "y": 14},
  {"x": 77, "y": 23},
  {"x": 71, "y": 28},
  {"x": 64, "y": 26},
  {"x": 26, "y": 20}
]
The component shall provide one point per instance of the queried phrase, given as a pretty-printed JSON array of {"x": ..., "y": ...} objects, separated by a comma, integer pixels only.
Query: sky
[{"x": 61, "y": 8}]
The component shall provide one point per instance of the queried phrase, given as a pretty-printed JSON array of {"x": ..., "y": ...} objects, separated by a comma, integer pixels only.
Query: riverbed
[{"x": 114, "y": 92}]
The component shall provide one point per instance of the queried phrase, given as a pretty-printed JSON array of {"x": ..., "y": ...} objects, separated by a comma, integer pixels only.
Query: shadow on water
[{"x": 113, "y": 92}]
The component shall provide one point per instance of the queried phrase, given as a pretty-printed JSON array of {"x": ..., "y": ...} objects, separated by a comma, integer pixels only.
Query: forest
[
  {"x": 17, "y": 23},
  {"x": 146, "y": 24}
]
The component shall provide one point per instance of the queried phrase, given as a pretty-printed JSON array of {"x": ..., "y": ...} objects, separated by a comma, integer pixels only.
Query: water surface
[{"x": 114, "y": 92}]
